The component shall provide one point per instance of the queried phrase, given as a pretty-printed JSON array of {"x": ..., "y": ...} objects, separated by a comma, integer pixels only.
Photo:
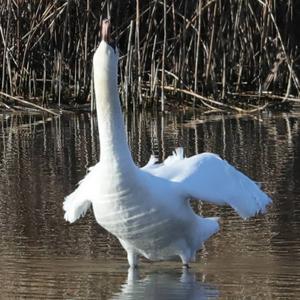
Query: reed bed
[{"x": 210, "y": 53}]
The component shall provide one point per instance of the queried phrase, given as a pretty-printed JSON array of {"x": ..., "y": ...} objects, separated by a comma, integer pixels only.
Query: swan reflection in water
[{"x": 167, "y": 285}]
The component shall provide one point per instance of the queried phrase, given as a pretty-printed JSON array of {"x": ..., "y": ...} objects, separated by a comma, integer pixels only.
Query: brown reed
[{"x": 215, "y": 49}]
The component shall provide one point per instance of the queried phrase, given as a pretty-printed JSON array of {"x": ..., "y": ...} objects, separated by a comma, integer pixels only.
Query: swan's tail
[{"x": 75, "y": 207}]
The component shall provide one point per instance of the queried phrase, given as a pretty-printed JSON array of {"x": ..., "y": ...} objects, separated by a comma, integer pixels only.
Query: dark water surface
[{"x": 43, "y": 257}]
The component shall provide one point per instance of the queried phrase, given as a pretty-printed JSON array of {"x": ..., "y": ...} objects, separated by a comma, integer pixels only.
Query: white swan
[{"x": 148, "y": 209}]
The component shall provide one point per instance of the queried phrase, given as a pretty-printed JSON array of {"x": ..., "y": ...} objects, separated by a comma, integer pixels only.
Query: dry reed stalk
[
  {"x": 127, "y": 66},
  {"x": 211, "y": 45},
  {"x": 197, "y": 45},
  {"x": 163, "y": 58},
  {"x": 148, "y": 35},
  {"x": 154, "y": 69},
  {"x": 137, "y": 43}
]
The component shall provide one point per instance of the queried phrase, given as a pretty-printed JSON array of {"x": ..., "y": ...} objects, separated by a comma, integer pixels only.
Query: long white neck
[{"x": 113, "y": 142}]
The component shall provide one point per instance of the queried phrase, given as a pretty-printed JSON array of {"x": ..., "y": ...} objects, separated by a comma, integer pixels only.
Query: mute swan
[{"x": 148, "y": 208}]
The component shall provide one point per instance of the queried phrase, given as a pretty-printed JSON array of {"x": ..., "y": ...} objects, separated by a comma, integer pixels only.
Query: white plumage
[{"x": 148, "y": 208}]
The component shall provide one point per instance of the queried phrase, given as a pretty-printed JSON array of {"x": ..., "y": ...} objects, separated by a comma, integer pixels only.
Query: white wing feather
[
  {"x": 209, "y": 178},
  {"x": 77, "y": 203}
]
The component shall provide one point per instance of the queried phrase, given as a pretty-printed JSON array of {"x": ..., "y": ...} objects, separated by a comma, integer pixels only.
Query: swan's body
[{"x": 148, "y": 209}]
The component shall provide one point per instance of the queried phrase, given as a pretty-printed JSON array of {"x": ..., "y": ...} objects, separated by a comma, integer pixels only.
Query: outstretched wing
[{"x": 207, "y": 177}]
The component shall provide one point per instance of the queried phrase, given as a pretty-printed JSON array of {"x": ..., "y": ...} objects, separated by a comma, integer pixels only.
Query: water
[{"x": 41, "y": 256}]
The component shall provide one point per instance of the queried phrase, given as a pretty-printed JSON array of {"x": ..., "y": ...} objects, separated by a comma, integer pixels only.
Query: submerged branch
[
  {"x": 29, "y": 104},
  {"x": 267, "y": 96},
  {"x": 213, "y": 102}
]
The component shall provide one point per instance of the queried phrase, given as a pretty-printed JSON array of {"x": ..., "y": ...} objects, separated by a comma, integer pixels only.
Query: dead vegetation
[{"x": 210, "y": 53}]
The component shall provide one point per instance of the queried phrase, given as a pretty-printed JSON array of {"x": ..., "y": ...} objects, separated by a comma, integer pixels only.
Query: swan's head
[
  {"x": 106, "y": 56},
  {"x": 106, "y": 31}
]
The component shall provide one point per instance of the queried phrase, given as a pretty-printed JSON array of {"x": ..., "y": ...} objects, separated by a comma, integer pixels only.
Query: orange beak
[{"x": 105, "y": 30}]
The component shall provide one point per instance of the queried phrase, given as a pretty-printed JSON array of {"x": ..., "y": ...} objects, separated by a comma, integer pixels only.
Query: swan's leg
[
  {"x": 132, "y": 256},
  {"x": 185, "y": 260},
  {"x": 133, "y": 259}
]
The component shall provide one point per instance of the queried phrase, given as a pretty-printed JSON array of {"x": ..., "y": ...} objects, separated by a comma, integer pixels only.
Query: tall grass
[{"x": 209, "y": 49}]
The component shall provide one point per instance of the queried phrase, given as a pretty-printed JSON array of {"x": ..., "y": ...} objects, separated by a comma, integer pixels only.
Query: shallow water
[{"x": 41, "y": 256}]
